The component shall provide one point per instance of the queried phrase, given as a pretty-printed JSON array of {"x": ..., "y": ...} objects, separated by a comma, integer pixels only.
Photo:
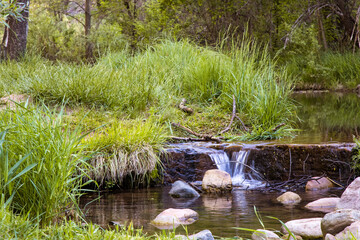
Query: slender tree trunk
[
  {"x": 322, "y": 36},
  {"x": 89, "y": 46},
  {"x": 15, "y": 34}
]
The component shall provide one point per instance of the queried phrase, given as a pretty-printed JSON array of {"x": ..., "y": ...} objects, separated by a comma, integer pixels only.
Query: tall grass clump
[
  {"x": 344, "y": 69},
  {"x": 160, "y": 76},
  {"x": 41, "y": 163},
  {"x": 126, "y": 149}
]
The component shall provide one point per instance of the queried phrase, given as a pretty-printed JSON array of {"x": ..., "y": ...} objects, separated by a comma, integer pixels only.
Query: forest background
[{"x": 103, "y": 82}]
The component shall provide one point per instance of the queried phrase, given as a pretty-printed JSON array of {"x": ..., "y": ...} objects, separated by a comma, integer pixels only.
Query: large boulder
[
  {"x": 350, "y": 199},
  {"x": 261, "y": 234},
  {"x": 323, "y": 204},
  {"x": 215, "y": 181},
  {"x": 350, "y": 232},
  {"x": 308, "y": 228},
  {"x": 289, "y": 198},
  {"x": 337, "y": 221},
  {"x": 318, "y": 183},
  {"x": 172, "y": 217},
  {"x": 181, "y": 189}
]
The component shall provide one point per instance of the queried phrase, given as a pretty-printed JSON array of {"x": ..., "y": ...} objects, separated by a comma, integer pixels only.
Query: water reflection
[
  {"x": 327, "y": 117},
  {"x": 219, "y": 214}
]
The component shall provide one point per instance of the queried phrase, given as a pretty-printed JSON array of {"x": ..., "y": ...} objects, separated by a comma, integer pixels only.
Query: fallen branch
[
  {"x": 278, "y": 126},
  {"x": 189, "y": 139},
  {"x": 232, "y": 117},
  {"x": 203, "y": 137},
  {"x": 184, "y": 108}
]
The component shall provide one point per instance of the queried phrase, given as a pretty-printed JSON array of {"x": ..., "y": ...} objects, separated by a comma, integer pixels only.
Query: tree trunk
[
  {"x": 89, "y": 46},
  {"x": 322, "y": 36},
  {"x": 15, "y": 34},
  {"x": 346, "y": 20}
]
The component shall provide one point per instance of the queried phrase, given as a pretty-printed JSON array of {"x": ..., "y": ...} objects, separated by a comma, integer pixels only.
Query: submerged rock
[
  {"x": 181, "y": 189},
  {"x": 337, "y": 221},
  {"x": 318, "y": 184},
  {"x": 261, "y": 234},
  {"x": 323, "y": 204},
  {"x": 350, "y": 199},
  {"x": 172, "y": 217},
  {"x": 308, "y": 228},
  {"x": 215, "y": 181},
  {"x": 289, "y": 198}
]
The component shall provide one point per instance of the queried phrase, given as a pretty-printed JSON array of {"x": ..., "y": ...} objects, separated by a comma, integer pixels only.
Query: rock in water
[
  {"x": 323, "y": 204},
  {"x": 289, "y": 198},
  {"x": 335, "y": 222},
  {"x": 172, "y": 217},
  {"x": 350, "y": 199},
  {"x": 203, "y": 235},
  {"x": 318, "y": 184},
  {"x": 181, "y": 189},
  {"x": 308, "y": 228},
  {"x": 215, "y": 181},
  {"x": 261, "y": 234}
]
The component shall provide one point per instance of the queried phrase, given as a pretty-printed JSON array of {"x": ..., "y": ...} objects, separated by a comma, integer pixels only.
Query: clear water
[
  {"x": 327, "y": 117},
  {"x": 324, "y": 118},
  {"x": 219, "y": 214}
]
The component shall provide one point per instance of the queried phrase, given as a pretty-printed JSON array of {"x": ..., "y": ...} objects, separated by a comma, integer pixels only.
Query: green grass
[
  {"x": 159, "y": 77},
  {"x": 126, "y": 149},
  {"x": 330, "y": 70},
  {"x": 41, "y": 163}
]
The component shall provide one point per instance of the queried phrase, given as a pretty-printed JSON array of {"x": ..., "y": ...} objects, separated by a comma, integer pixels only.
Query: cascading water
[{"x": 236, "y": 167}]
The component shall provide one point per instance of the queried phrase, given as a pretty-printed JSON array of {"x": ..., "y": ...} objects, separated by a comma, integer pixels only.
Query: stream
[{"x": 325, "y": 118}]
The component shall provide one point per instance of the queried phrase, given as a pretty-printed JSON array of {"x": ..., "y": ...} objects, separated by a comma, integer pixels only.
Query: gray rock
[
  {"x": 181, "y": 189},
  {"x": 323, "y": 204},
  {"x": 203, "y": 235},
  {"x": 350, "y": 199},
  {"x": 172, "y": 217},
  {"x": 262, "y": 234},
  {"x": 350, "y": 232},
  {"x": 289, "y": 198},
  {"x": 330, "y": 237},
  {"x": 215, "y": 181},
  {"x": 337, "y": 221},
  {"x": 318, "y": 183},
  {"x": 309, "y": 228}
]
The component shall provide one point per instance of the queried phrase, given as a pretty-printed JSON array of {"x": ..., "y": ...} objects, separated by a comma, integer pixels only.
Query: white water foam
[{"x": 236, "y": 167}]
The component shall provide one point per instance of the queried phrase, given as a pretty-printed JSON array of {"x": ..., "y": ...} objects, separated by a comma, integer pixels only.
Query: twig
[
  {"x": 304, "y": 164},
  {"x": 290, "y": 164},
  {"x": 238, "y": 118},
  {"x": 232, "y": 117},
  {"x": 192, "y": 185},
  {"x": 278, "y": 126},
  {"x": 189, "y": 139},
  {"x": 184, "y": 108},
  {"x": 204, "y": 137}
]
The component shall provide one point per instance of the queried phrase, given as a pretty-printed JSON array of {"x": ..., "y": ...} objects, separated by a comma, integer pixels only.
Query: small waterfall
[{"x": 236, "y": 167}]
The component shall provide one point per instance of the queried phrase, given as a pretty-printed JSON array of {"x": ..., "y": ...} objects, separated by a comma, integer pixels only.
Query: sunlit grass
[{"x": 159, "y": 77}]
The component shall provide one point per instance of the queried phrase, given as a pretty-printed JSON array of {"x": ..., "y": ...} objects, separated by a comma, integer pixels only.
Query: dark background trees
[{"x": 107, "y": 24}]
